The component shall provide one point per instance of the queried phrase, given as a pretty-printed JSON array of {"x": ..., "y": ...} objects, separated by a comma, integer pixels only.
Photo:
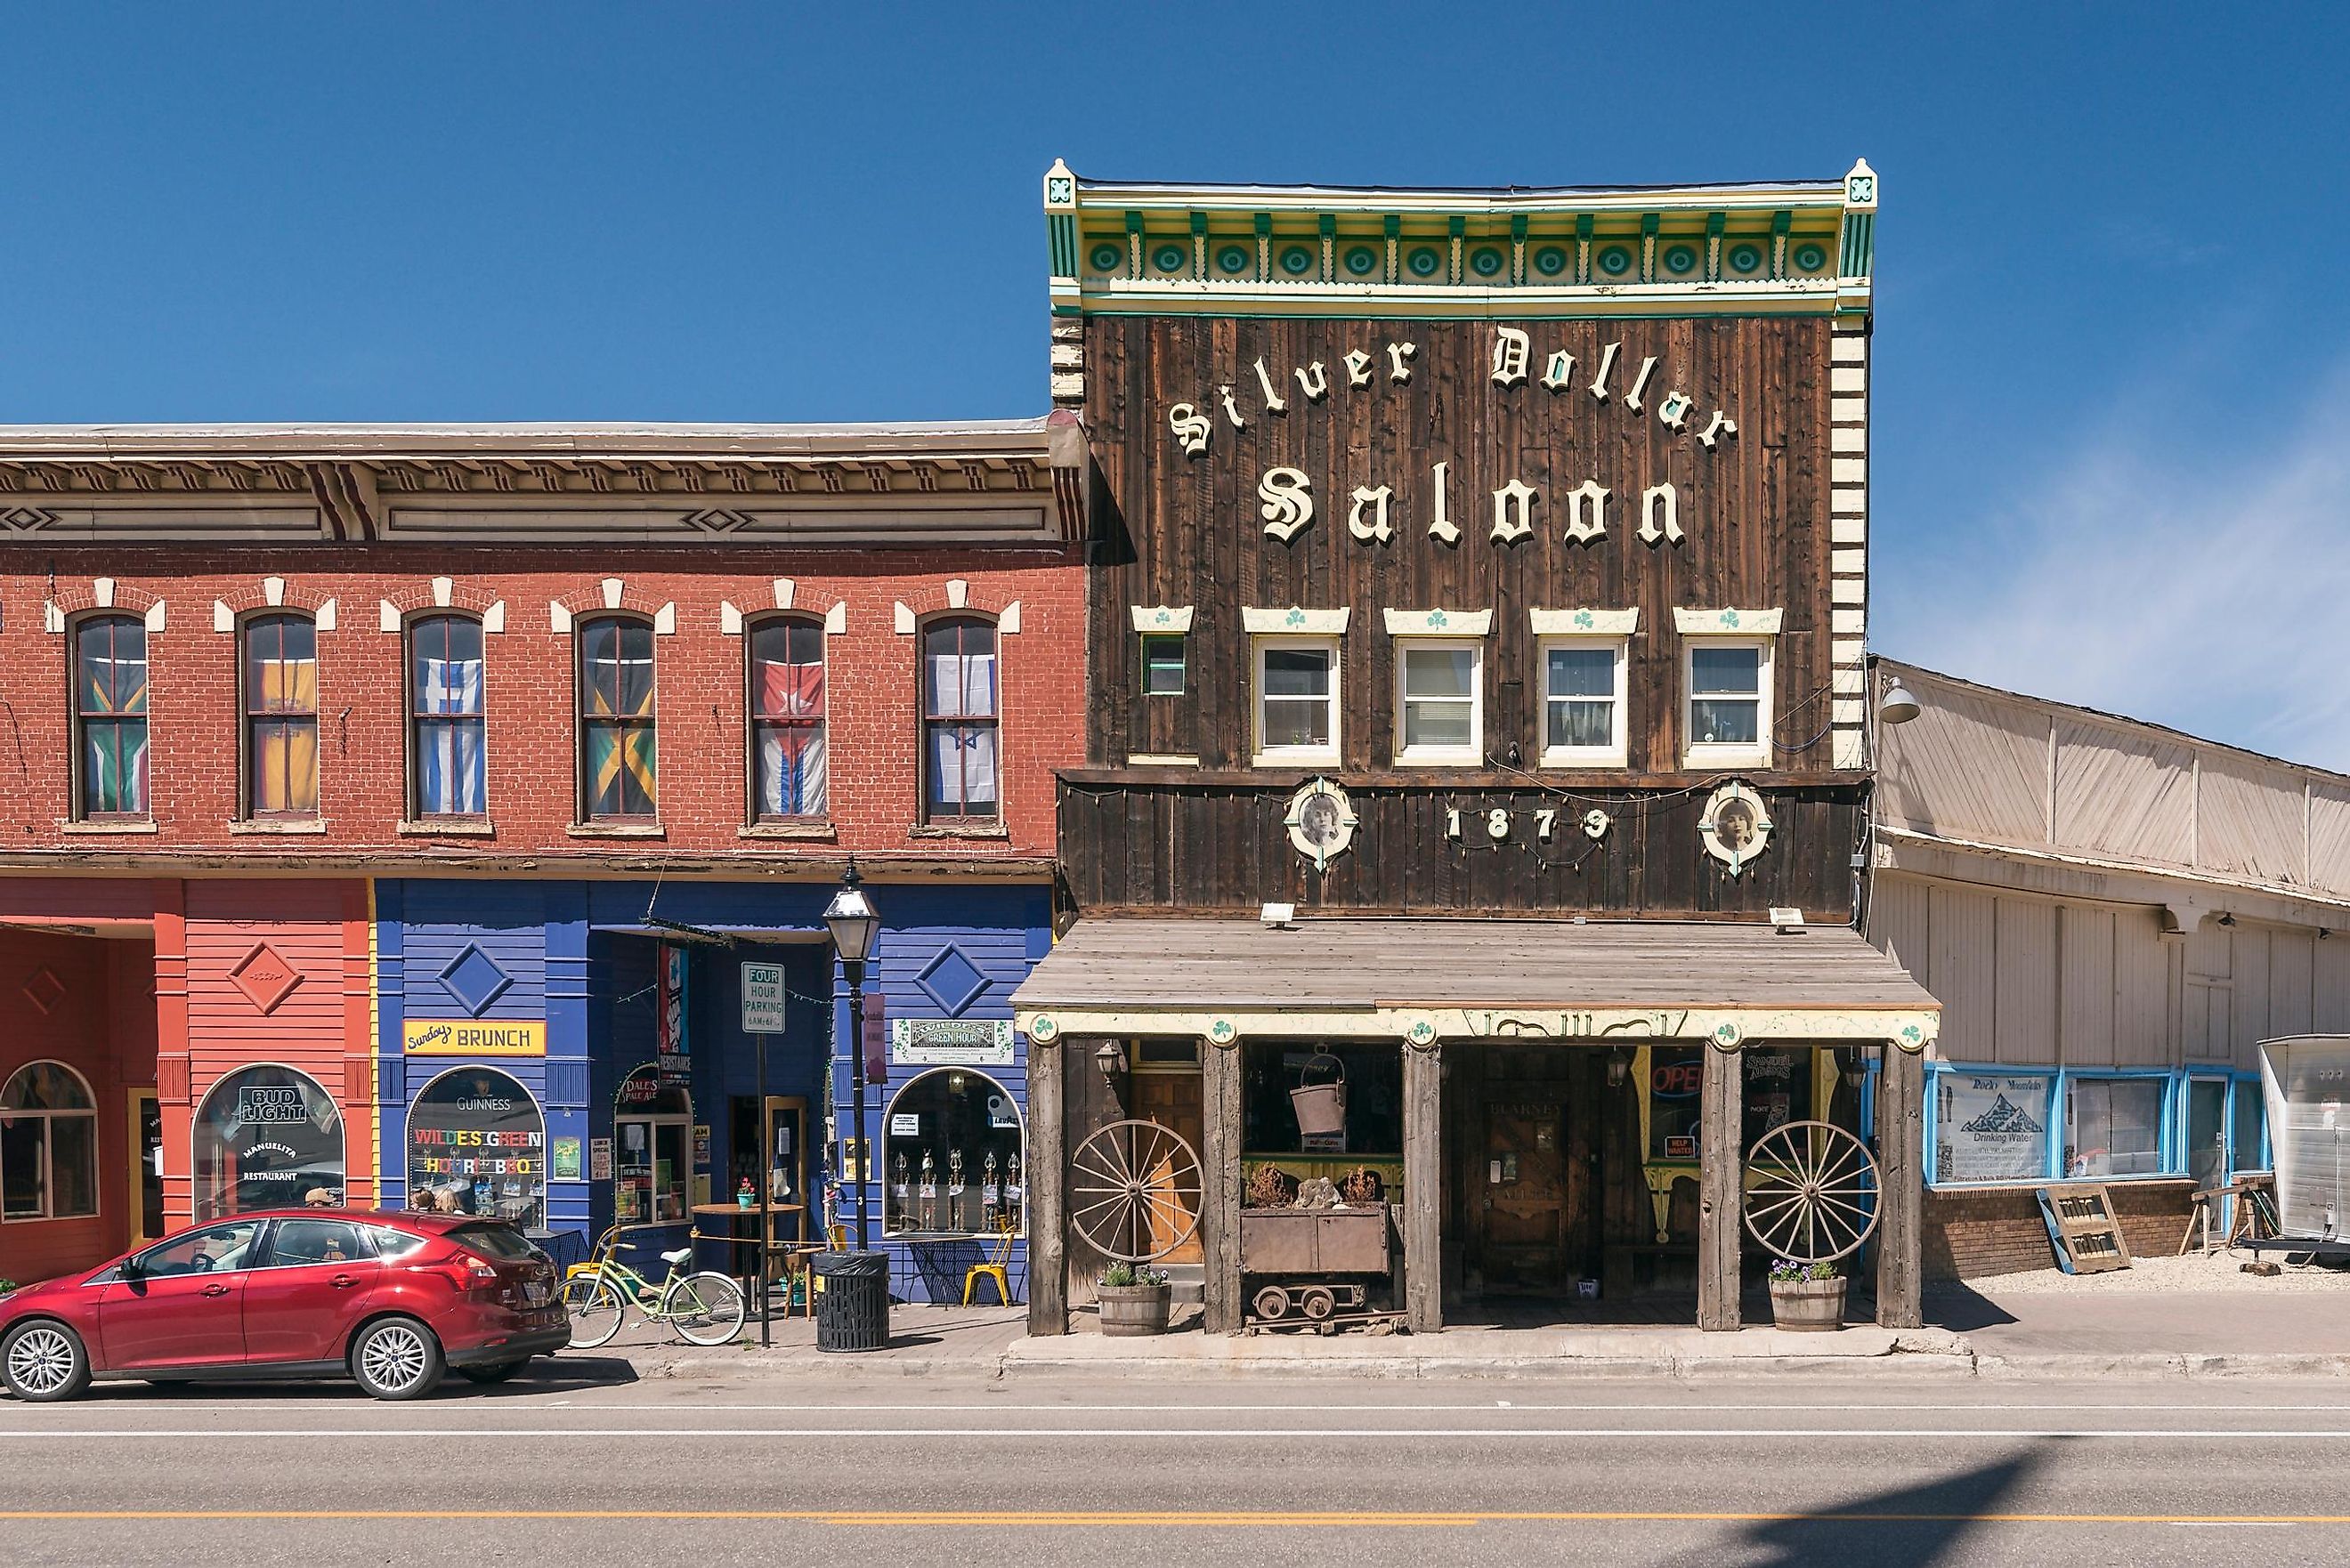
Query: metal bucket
[{"x": 1321, "y": 1107}]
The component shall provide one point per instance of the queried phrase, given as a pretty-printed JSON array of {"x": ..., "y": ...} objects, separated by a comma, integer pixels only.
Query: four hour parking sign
[{"x": 763, "y": 999}]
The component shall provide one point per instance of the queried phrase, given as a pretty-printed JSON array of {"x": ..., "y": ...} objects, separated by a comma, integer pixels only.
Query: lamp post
[{"x": 854, "y": 925}]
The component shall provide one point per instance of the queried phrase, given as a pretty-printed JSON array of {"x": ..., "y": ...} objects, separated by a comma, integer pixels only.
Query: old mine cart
[{"x": 1314, "y": 1266}]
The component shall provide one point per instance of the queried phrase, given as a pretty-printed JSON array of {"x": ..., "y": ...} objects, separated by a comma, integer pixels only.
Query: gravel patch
[{"x": 2194, "y": 1273}]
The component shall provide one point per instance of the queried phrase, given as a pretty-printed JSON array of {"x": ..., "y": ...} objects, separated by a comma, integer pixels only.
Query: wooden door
[
  {"x": 1525, "y": 1202},
  {"x": 1172, "y": 1100}
]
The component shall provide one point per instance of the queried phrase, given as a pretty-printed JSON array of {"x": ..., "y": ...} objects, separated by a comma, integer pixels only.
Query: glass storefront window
[
  {"x": 1676, "y": 1075},
  {"x": 1991, "y": 1128},
  {"x": 266, "y": 1138},
  {"x": 952, "y": 1156},
  {"x": 652, "y": 1160},
  {"x": 48, "y": 1144},
  {"x": 1373, "y": 1079},
  {"x": 2244, "y": 1149},
  {"x": 477, "y": 1145},
  {"x": 2112, "y": 1126}
]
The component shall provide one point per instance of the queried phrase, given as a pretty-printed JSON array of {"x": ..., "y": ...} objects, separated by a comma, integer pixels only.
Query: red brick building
[{"x": 254, "y": 678}]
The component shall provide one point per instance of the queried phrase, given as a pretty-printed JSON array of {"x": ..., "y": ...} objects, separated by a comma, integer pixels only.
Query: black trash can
[{"x": 852, "y": 1300}]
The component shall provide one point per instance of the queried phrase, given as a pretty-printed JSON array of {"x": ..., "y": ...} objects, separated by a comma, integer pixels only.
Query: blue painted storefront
[{"x": 580, "y": 957}]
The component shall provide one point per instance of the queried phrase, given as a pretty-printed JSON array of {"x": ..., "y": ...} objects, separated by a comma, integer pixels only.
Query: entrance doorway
[
  {"x": 1533, "y": 1170},
  {"x": 1166, "y": 1090},
  {"x": 147, "y": 1167}
]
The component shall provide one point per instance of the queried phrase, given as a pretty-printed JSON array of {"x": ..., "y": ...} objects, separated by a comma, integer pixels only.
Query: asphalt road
[{"x": 584, "y": 1466}]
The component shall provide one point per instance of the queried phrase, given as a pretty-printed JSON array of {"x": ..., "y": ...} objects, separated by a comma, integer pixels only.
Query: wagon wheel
[
  {"x": 1811, "y": 1193},
  {"x": 1134, "y": 1191}
]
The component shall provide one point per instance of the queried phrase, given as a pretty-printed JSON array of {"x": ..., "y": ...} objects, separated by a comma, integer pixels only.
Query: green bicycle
[{"x": 705, "y": 1308}]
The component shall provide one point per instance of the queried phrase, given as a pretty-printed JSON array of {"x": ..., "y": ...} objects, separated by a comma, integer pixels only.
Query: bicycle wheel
[
  {"x": 594, "y": 1309},
  {"x": 707, "y": 1308}
]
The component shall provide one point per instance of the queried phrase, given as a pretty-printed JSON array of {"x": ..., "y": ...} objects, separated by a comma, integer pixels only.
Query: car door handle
[
  {"x": 213, "y": 1290},
  {"x": 342, "y": 1282}
]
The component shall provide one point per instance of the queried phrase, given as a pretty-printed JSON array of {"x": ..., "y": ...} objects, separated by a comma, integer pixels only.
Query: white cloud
[{"x": 2210, "y": 592}]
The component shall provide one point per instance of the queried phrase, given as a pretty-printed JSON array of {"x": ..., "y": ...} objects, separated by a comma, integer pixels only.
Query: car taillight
[{"x": 464, "y": 1270}]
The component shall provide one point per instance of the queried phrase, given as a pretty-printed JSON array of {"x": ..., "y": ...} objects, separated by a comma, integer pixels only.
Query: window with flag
[
  {"x": 616, "y": 720},
  {"x": 787, "y": 739},
  {"x": 281, "y": 716},
  {"x": 110, "y": 716},
  {"x": 959, "y": 721},
  {"x": 445, "y": 716}
]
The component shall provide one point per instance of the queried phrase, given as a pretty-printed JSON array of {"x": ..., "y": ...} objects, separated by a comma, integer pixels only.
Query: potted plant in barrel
[
  {"x": 1806, "y": 1296},
  {"x": 1134, "y": 1299}
]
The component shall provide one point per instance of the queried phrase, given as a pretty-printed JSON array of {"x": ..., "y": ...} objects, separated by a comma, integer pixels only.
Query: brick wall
[
  {"x": 1974, "y": 1234},
  {"x": 872, "y": 674}
]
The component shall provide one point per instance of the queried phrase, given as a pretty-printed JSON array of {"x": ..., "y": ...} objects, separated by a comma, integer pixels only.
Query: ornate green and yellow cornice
[{"x": 1801, "y": 247}]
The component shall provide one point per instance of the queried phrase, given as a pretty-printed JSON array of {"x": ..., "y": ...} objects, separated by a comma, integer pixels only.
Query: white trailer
[{"x": 2306, "y": 1079}]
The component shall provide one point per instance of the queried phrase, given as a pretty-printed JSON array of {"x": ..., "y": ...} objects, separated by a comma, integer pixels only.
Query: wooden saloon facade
[{"x": 1478, "y": 595}]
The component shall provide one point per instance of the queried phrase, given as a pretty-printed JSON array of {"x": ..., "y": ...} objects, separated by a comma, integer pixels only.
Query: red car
[{"x": 389, "y": 1300}]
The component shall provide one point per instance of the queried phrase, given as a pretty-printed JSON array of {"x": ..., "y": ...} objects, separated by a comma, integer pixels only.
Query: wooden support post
[
  {"x": 1423, "y": 1186},
  {"x": 1048, "y": 1267},
  {"x": 1901, "y": 1198},
  {"x": 1220, "y": 1185},
  {"x": 1720, "y": 1188}
]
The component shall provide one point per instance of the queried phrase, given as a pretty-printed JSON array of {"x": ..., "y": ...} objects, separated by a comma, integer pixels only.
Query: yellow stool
[{"x": 998, "y": 1268}]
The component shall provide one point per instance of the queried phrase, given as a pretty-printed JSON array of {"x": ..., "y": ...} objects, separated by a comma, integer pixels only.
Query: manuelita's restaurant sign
[
  {"x": 1288, "y": 503},
  {"x": 473, "y": 1037}
]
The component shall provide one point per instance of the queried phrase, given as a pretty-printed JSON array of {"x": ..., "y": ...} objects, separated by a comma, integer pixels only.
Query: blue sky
[{"x": 2113, "y": 388}]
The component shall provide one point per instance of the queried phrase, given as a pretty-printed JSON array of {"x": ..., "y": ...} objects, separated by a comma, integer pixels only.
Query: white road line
[
  {"x": 822, "y": 1434},
  {"x": 1132, "y": 1407}
]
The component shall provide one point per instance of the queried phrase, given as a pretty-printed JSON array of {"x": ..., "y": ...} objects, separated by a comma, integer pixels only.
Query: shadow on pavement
[
  {"x": 1911, "y": 1527},
  {"x": 1954, "y": 1304},
  {"x": 547, "y": 1374}
]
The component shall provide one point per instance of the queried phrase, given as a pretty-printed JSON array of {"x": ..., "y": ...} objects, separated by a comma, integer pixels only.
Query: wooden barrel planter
[
  {"x": 1809, "y": 1306},
  {"x": 1134, "y": 1309}
]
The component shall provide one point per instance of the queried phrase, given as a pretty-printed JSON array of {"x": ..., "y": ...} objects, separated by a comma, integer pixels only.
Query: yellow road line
[{"x": 1334, "y": 1519}]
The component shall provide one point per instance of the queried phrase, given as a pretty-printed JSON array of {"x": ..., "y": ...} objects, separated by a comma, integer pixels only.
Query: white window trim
[
  {"x": 1617, "y": 753},
  {"x": 1283, "y": 756},
  {"x": 1474, "y": 753},
  {"x": 1717, "y": 754}
]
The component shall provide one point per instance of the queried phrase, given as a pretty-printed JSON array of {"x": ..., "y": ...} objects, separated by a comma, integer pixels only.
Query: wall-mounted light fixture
[
  {"x": 1110, "y": 1059},
  {"x": 1896, "y": 705},
  {"x": 1620, "y": 1067},
  {"x": 2227, "y": 920}
]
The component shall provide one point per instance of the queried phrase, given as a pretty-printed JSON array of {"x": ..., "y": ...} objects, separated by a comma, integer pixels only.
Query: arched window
[
  {"x": 266, "y": 1138},
  {"x": 48, "y": 1144},
  {"x": 477, "y": 1145},
  {"x": 959, "y": 760},
  {"x": 281, "y": 716},
  {"x": 788, "y": 754},
  {"x": 617, "y": 772},
  {"x": 111, "y": 716},
  {"x": 445, "y": 717},
  {"x": 952, "y": 1157}
]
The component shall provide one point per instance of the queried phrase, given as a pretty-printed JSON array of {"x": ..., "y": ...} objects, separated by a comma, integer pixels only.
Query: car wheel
[
  {"x": 497, "y": 1372},
  {"x": 42, "y": 1361},
  {"x": 398, "y": 1358}
]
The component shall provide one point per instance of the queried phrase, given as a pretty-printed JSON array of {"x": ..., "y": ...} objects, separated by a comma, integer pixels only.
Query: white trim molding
[
  {"x": 1584, "y": 622},
  {"x": 1162, "y": 618},
  {"x": 1439, "y": 623},
  {"x": 1296, "y": 621},
  {"x": 391, "y": 617},
  {"x": 1727, "y": 622}
]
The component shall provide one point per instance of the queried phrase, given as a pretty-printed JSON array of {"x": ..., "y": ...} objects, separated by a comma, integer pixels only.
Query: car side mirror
[{"x": 128, "y": 1270}]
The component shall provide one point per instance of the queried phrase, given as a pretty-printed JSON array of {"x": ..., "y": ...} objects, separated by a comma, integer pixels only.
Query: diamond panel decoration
[
  {"x": 951, "y": 981},
  {"x": 264, "y": 976},
  {"x": 473, "y": 978},
  {"x": 44, "y": 990}
]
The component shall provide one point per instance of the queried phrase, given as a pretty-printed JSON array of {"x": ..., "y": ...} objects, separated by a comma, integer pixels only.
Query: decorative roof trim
[
  {"x": 1585, "y": 622},
  {"x": 1305, "y": 622},
  {"x": 1727, "y": 622},
  {"x": 1438, "y": 622},
  {"x": 1162, "y": 618}
]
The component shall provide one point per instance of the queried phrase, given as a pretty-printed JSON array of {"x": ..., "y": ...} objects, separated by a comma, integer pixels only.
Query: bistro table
[{"x": 761, "y": 1242}]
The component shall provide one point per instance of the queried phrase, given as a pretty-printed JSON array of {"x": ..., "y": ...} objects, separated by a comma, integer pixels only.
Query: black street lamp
[{"x": 854, "y": 925}]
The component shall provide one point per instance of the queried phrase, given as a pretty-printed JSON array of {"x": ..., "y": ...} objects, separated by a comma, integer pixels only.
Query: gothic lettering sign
[{"x": 1448, "y": 500}]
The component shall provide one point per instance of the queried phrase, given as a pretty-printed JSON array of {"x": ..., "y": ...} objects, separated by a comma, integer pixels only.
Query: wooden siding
[
  {"x": 2027, "y": 980},
  {"x": 1179, "y": 530}
]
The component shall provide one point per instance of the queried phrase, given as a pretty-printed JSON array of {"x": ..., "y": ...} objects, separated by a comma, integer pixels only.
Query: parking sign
[{"x": 763, "y": 999}]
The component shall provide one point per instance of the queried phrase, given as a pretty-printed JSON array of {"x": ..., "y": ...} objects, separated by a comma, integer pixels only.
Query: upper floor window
[
  {"x": 1729, "y": 703},
  {"x": 788, "y": 754},
  {"x": 617, "y": 769},
  {"x": 1439, "y": 701},
  {"x": 111, "y": 716},
  {"x": 445, "y": 720},
  {"x": 1297, "y": 700},
  {"x": 48, "y": 1144},
  {"x": 960, "y": 761},
  {"x": 1583, "y": 702},
  {"x": 281, "y": 716},
  {"x": 1163, "y": 663}
]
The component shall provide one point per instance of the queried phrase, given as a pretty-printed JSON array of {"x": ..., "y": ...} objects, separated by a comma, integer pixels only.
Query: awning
[{"x": 1427, "y": 980}]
